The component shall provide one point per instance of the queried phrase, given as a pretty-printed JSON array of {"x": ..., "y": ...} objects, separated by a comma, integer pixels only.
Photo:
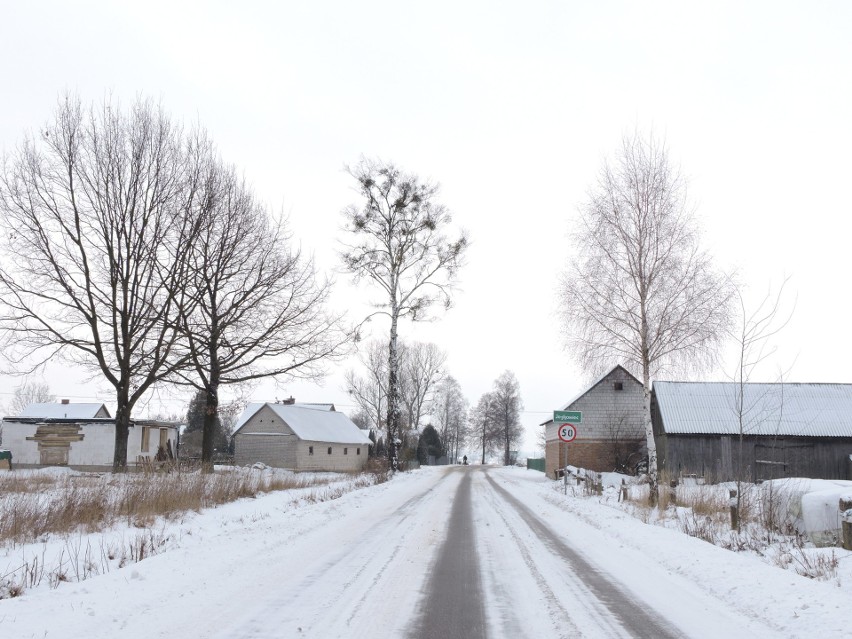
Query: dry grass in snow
[
  {"x": 60, "y": 525},
  {"x": 767, "y": 518}
]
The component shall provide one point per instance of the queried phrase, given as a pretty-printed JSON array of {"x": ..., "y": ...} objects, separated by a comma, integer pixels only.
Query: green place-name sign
[{"x": 567, "y": 416}]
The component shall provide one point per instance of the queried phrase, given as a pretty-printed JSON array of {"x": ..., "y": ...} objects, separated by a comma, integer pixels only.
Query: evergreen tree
[{"x": 429, "y": 445}]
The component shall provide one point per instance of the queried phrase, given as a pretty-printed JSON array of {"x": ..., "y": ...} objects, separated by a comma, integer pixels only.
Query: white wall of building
[{"x": 96, "y": 448}]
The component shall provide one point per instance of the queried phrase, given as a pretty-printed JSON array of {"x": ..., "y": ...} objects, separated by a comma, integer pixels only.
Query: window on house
[
  {"x": 329, "y": 450},
  {"x": 618, "y": 385},
  {"x": 357, "y": 451},
  {"x": 146, "y": 437},
  {"x": 310, "y": 450},
  {"x": 345, "y": 451},
  {"x": 164, "y": 436}
]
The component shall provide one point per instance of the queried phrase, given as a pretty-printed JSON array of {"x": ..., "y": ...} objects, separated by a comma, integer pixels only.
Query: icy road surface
[{"x": 462, "y": 552}]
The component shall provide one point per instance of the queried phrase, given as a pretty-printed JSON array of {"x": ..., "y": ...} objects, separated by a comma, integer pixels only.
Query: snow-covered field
[{"x": 294, "y": 563}]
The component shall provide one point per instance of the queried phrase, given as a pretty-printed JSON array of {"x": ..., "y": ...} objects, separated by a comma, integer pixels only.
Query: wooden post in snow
[
  {"x": 846, "y": 522},
  {"x": 735, "y": 512}
]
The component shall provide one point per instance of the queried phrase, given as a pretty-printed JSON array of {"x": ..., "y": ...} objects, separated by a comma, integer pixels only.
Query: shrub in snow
[{"x": 808, "y": 506}]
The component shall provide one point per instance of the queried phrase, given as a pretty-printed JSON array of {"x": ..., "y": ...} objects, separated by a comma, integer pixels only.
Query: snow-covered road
[{"x": 466, "y": 551}]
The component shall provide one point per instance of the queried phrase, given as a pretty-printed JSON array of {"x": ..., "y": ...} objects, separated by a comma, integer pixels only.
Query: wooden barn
[
  {"x": 777, "y": 430},
  {"x": 610, "y": 435}
]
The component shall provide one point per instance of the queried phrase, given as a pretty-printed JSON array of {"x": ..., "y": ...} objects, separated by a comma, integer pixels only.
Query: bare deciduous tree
[
  {"x": 505, "y": 410},
  {"x": 96, "y": 222},
  {"x": 752, "y": 336},
  {"x": 450, "y": 415},
  {"x": 421, "y": 368},
  {"x": 30, "y": 391},
  {"x": 370, "y": 391},
  {"x": 260, "y": 311},
  {"x": 640, "y": 291},
  {"x": 399, "y": 244},
  {"x": 483, "y": 431},
  {"x": 624, "y": 451}
]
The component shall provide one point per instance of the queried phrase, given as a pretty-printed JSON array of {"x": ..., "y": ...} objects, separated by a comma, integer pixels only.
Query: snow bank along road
[{"x": 453, "y": 552}]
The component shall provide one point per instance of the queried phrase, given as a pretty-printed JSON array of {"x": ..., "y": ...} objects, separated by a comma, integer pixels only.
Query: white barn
[
  {"x": 313, "y": 437},
  {"x": 79, "y": 435}
]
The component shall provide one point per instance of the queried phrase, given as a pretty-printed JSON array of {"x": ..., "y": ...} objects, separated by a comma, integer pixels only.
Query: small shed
[
  {"x": 610, "y": 435},
  {"x": 755, "y": 431},
  {"x": 79, "y": 435},
  {"x": 301, "y": 437}
]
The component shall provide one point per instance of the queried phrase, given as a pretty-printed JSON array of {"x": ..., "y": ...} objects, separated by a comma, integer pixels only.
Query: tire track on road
[
  {"x": 365, "y": 576},
  {"x": 560, "y": 618},
  {"x": 453, "y": 607},
  {"x": 634, "y": 618}
]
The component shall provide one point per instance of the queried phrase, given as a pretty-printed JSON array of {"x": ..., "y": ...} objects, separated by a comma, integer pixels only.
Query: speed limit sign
[{"x": 567, "y": 432}]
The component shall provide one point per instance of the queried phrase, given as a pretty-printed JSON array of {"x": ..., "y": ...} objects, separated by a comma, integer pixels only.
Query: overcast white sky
[{"x": 512, "y": 107}]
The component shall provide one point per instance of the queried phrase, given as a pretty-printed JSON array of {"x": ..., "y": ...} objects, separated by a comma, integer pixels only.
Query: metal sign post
[{"x": 567, "y": 432}]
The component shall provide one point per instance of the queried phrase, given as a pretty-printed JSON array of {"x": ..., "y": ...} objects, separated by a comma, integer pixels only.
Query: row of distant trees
[{"x": 427, "y": 392}]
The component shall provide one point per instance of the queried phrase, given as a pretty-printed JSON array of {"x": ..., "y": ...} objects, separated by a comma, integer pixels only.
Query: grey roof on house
[
  {"x": 311, "y": 422},
  {"x": 814, "y": 410},
  {"x": 81, "y": 410}
]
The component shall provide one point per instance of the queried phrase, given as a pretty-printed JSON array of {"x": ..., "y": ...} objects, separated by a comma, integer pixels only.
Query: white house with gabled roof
[
  {"x": 80, "y": 435},
  {"x": 302, "y": 437}
]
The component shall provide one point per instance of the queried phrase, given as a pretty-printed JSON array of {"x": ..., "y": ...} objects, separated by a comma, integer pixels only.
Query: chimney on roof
[
  {"x": 291, "y": 400},
  {"x": 65, "y": 401}
]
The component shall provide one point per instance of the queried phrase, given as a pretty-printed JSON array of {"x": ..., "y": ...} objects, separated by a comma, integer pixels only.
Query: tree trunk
[
  {"x": 649, "y": 439},
  {"x": 122, "y": 429},
  {"x": 211, "y": 404},
  {"x": 393, "y": 391},
  {"x": 208, "y": 435}
]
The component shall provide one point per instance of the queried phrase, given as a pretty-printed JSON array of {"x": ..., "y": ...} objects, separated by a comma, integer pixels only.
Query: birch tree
[
  {"x": 639, "y": 290},
  {"x": 398, "y": 243}
]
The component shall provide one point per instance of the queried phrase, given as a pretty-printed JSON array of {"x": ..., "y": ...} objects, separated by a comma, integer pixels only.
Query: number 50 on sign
[{"x": 567, "y": 432}]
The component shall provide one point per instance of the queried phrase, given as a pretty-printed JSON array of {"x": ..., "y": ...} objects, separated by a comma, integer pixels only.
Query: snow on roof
[
  {"x": 250, "y": 409},
  {"x": 57, "y": 410},
  {"x": 815, "y": 410},
  {"x": 311, "y": 422}
]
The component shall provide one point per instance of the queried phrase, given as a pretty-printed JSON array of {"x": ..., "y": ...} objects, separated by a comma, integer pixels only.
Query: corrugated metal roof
[
  {"x": 79, "y": 410},
  {"x": 315, "y": 423},
  {"x": 815, "y": 410}
]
